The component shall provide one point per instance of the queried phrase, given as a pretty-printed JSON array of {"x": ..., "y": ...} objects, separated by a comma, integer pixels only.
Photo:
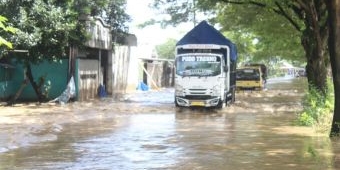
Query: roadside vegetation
[
  {"x": 4, "y": 29},
  {"x": 300, "y": 30},
  {"x": 318, "y": 109}
]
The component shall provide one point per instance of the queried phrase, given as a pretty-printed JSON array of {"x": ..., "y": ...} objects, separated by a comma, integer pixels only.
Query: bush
[{"x": 318, "y": 108}]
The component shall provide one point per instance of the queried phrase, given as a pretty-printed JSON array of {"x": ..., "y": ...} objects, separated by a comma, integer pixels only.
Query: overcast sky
[{"x": 151, "y": 35}]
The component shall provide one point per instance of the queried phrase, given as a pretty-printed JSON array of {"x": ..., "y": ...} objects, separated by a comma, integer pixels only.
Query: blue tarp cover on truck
[{"x": 204, "y": 33}]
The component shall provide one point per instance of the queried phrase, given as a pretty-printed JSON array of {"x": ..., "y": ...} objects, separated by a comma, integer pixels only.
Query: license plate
[{"x": 197, "y": 103}]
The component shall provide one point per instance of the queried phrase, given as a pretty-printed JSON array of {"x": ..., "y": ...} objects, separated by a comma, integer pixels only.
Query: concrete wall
[
  {"x": 55, "y": 74},
  {"x": 87, "y": 79},
  {"x": 6, "y": 83}
]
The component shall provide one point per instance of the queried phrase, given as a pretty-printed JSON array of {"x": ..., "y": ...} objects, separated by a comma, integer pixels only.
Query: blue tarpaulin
[
  {"x": 101, "y": 91},
  {"x": 142, "y": 86},
  {"x": 204, "y": 33}
]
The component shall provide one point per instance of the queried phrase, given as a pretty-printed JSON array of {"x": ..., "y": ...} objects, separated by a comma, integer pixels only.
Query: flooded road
[{"x": 145, "y": 131}]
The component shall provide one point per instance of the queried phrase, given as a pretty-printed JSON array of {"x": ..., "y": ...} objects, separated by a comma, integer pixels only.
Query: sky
[
  {"x": 151, "y": 35},
  {"x": 148, "y": 37}
]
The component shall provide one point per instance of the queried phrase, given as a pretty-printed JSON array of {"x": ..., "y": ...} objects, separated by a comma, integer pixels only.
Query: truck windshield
[
  {"x": 248, "y": 74},
  {"x": 198, "y": 65}
]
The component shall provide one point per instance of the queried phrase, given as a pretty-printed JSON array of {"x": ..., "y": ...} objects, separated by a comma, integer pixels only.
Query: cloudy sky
[{"x": 151, "y": 35}]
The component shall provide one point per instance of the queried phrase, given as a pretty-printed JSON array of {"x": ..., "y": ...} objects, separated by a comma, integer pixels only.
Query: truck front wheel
[
  {"x": 221, "y": 104},
  {"x": 233, "y": 93},
  {"x": 176, "y": 104},
  {"x": 231, "y": 98}
]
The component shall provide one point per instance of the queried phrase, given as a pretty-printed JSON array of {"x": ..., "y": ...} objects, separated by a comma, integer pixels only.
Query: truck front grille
[
  {"x": 197, "y": 91},
  {"x": 193, "y": 97}
]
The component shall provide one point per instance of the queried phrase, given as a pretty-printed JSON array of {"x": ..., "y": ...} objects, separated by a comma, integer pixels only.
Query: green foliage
[
  {"x": 45, "y": 27},
  {"x": 4, "y": 29},
  {"x": 89, "y": 7},
  {"x": 49, "y": 27},
  {"x": 244, "y": 22},
  {"x": 318, "y": 109},
  {"x": 114, "y": 15},
  {"x": 246, "y": 45},
  {"x": 167, "y": 49},
  {"x": 275, "y": 35},
  {"x": 112, "y": 11},
  {"x": 305, "y": 119}
]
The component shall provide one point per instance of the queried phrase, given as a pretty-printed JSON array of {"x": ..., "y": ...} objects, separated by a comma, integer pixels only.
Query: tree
[
  {"x": 4, "y": 29},
  {"x": 306, "y": 19},
  {"x": 114, "y": 14},
  {"x": 167, "y": 49},
  {"x": 333, "y": 8},
  {"x": 112, "y": 11},
  {"x": 48, "y": 28},
  {"x": 45, "y": 30},
  {"x": 274, "y": 35}
]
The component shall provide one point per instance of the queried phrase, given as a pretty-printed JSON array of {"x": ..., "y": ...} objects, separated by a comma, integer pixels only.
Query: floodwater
[{"x": 145, "y": 131}]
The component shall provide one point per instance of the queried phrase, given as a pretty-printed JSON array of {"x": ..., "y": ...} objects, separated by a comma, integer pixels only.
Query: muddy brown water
[{"x": 145, "y": 131}]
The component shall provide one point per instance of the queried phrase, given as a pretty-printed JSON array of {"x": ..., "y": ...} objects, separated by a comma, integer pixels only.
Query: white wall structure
[
  {"x": 95, "y": 60},
  {"x": 123, "y": 66},
  {"x": 133, "y": 71}
]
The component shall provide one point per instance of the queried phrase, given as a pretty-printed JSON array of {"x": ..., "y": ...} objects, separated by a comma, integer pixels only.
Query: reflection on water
[{"x": 255, "y": 133}]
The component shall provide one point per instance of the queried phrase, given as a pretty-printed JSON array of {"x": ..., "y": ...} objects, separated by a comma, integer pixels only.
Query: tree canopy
[
  {"x": 48, "y": 28},
  {"x": 243, "y": 24},
  {"x": 167, "y": 49},
  {"x": 4, "y": 30}
]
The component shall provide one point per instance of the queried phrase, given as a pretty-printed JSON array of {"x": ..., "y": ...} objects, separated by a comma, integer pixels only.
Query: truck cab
[
  {"x": 250, "y": 78},
  {"x": 200, "y": 80},
  {"x": 205, "y": 68}
]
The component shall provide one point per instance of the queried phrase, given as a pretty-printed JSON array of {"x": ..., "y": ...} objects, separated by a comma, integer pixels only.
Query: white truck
[{"x": 205, "y": 68}]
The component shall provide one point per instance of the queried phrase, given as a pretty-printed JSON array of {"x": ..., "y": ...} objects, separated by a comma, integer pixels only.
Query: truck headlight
[{"x": 216, "y": 90}]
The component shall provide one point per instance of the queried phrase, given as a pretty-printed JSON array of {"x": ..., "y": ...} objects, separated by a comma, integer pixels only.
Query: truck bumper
[
  {"x": 180, "y": 101},
  {"x": 244, "y": 85}
]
